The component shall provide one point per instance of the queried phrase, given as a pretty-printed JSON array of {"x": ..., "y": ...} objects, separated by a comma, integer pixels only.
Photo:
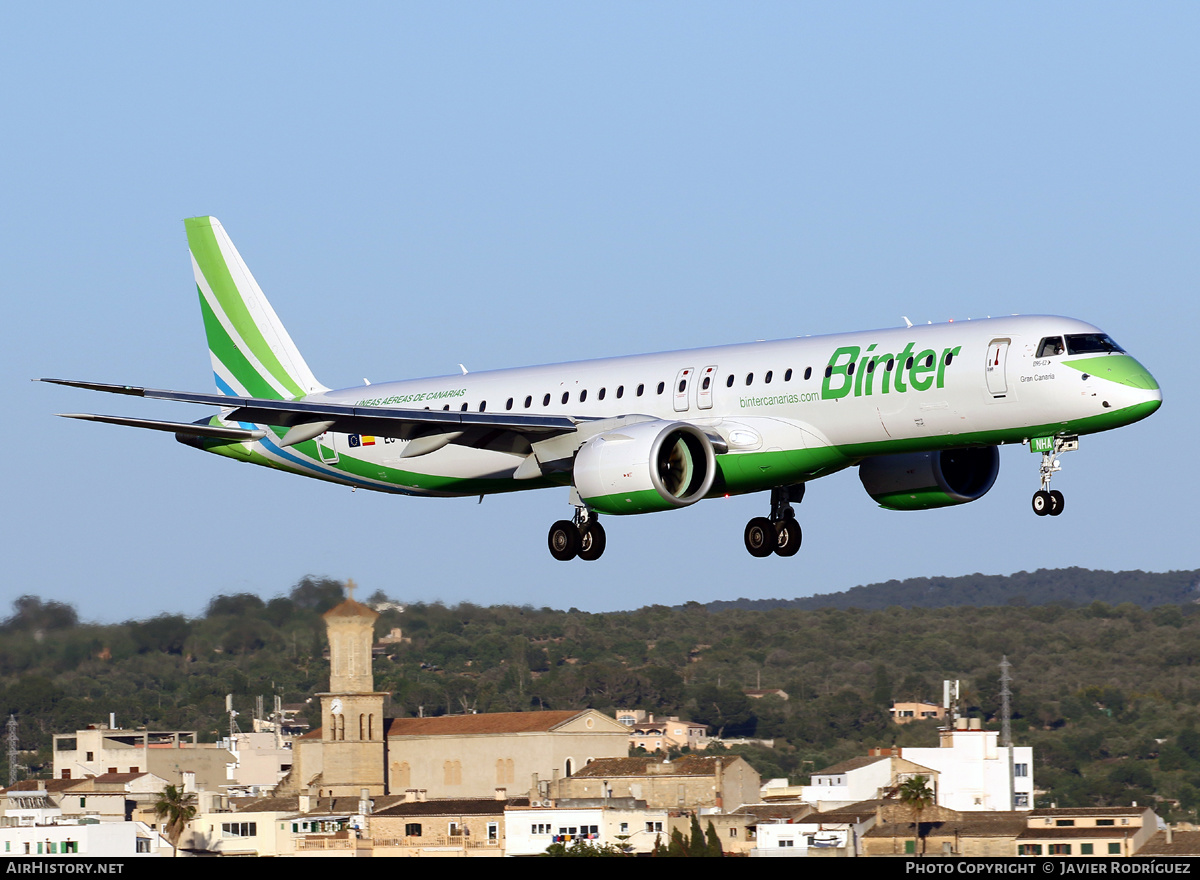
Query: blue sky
[{"x": 418, "y": 185}]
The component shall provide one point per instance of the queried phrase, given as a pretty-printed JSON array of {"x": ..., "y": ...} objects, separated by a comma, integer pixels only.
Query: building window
[
  {"x": 1085, "y": 849},
  {"x": 1064, "y": 823},
  {"x": 1021, "y": 770},
  {"x": 493, "y": 832},
  {"x": 1029, "y": 849},
  {"x": 1060, "y": 849},
  {"x": 412, "y": 829},
  {"x": 455, "y": 830},
  {"x": 239, "y": 829},
  {"x": 1114, "y": 849},
  {"x": 788, "y": 842},
  {"x": 733, "y": 832},
  {"x": 1104, "y": 821},
  {"x": 654, "y": 827}
]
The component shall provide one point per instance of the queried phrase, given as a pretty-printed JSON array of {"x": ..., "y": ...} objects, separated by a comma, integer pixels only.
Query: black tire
[
  {"x": 592, "y": 542},
  {"x": 563, "y": 540},
  {"x": 760, "y": 537},
  {"x": 1042, "y": 502},
  {"x": 1057, "y": 502},
  {"x": 787, "y": 537}
]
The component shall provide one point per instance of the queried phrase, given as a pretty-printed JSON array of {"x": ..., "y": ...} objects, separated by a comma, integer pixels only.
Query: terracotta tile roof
[
  {"x": 50, "y": 785},
  {"x": 317, "y": 806},
  {"x": 493, "y": 722},
  {"x": 453, "y": 807},
  {"x": 688, "y": 765},
  {"x": 350, "y": 608},
  {"x": 852, "y": 764},
  {"x": 1076, "y": 812},
  {"x": 1185, "y": 843}
]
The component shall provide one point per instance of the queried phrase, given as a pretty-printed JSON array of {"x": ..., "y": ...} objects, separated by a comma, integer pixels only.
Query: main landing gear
[
  {"x": 1045, "y": 501},
  {"x": 582, "y": 536},
  {"x": 780, "y": 533}
]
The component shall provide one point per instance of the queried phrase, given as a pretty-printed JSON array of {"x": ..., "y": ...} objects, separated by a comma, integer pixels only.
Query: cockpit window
[
  {"x": 1091, "y": 343},
  {"x": 1050, "y": 347}
]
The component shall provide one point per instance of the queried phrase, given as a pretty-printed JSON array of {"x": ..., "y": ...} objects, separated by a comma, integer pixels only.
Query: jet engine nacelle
[
  {"x": 923, "y": 480},
  {"x": 644, "y": 467}
]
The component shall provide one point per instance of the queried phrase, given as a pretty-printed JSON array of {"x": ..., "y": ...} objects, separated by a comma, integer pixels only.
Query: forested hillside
[
  {"x": 1063, "y": 586},
  {"x": 1106, "y": 693}
]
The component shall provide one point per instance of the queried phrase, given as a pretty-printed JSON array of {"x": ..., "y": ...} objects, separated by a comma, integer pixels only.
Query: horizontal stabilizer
[{"x": 197, "y": 430}]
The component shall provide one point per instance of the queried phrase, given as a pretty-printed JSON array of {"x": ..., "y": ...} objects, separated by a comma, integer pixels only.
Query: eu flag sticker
[{"x": 357, "y": 440}]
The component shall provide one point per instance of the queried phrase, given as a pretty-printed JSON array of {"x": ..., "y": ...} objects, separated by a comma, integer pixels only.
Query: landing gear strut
[
  {"x": 582, "y": 536},
  {"x": 1045, "y": 501},
  {"x": 780, "y": 533}
]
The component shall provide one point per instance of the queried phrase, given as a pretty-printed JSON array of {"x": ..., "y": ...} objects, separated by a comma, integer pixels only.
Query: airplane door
[
  {"x": 704, "y": 392},
  {"x": 997, "y": 356},
  {"x": 326, "y": 449},
  {"x": 682, "y": 382}
]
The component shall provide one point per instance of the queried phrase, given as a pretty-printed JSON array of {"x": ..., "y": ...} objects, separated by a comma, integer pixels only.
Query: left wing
[{"x": 430, "y": 429}]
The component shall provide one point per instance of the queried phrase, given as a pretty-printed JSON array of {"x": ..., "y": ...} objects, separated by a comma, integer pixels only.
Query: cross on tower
[{"x": 350, "y": 588}]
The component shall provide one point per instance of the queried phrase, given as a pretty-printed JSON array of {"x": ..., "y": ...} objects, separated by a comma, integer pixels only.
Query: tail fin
[{"x": 252, "y": 354}]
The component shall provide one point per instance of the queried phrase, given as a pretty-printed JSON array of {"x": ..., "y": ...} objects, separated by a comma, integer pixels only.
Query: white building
[
  {"x": 975, "y": 772},
  {"x": 530, "y": 830},
  {"x": 95, "y": 839}
]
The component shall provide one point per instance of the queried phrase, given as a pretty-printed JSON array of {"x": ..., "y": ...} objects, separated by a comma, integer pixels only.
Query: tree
[
  {"x": 918, "y": 797},
  {"x": 178, "y": 808},
  {"x": 714, "y": 842}
]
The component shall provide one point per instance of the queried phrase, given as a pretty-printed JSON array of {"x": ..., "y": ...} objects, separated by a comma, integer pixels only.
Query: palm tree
[
  {"x": 178, "y": 808},
  {"x": 918, "y": 797}
]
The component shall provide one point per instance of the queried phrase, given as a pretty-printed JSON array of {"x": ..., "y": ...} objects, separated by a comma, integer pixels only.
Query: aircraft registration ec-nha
[{"x": 920, "y": 410}]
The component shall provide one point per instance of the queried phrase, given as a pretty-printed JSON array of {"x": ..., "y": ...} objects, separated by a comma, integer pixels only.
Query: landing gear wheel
[
  {"x": 1043, "y": 502},
  {"x": 1057, "y": 502},
  {"x": 787, "y": 537},
  {"x": 591, "y": 542},
  {"x": 563, "y": 540},
  {"x": 760, "y": 537}
]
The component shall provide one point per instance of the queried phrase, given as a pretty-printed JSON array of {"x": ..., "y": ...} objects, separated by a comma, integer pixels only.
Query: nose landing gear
[
  {"x": 1047, "y": 502},
  {"x": 780, "y": 533}
]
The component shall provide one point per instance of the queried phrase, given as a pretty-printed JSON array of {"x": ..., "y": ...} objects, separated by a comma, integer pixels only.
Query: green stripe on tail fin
[{"x": 251, "y": 351}]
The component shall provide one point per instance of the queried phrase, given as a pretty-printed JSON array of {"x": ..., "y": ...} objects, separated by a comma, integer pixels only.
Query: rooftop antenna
[
  {"x": 14, "y": 752},
  {"x": 1005, "y": 704},
  {"x": 233, "y": 725}
]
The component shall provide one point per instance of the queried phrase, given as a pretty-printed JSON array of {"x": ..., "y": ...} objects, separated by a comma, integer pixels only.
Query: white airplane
[{"x": 920, "y": 410}]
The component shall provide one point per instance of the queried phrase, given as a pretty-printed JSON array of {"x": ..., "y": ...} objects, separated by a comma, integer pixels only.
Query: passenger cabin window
[
  {"x": 1051, "y": 346},
  {"x": 729, "y": 381},
  {"x": 464, "y": 407},
  {"x": 583, "y": 395},
  {"x": 546, "y": 400},
  {"x": 641, "y": 388},
  {"x": 509, "y": 404},
  {"x": 566, "y": 397},
  {"x": 767, "y": 378},
  {"x": 620, "y": 391},
  {"x": 749, "y": 378},
  {"x": 482, "y": 405},
  {"x": 808, "y": 372},
  {"x": 528, "y": 401},
  {"x": 787, "y": 377},
  {"x": 600, "y": 394},
  {"x": 662, "y": 387}
]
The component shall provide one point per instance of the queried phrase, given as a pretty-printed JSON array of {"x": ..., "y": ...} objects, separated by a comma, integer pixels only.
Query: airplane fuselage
[{"x": 788, "y": 410}]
